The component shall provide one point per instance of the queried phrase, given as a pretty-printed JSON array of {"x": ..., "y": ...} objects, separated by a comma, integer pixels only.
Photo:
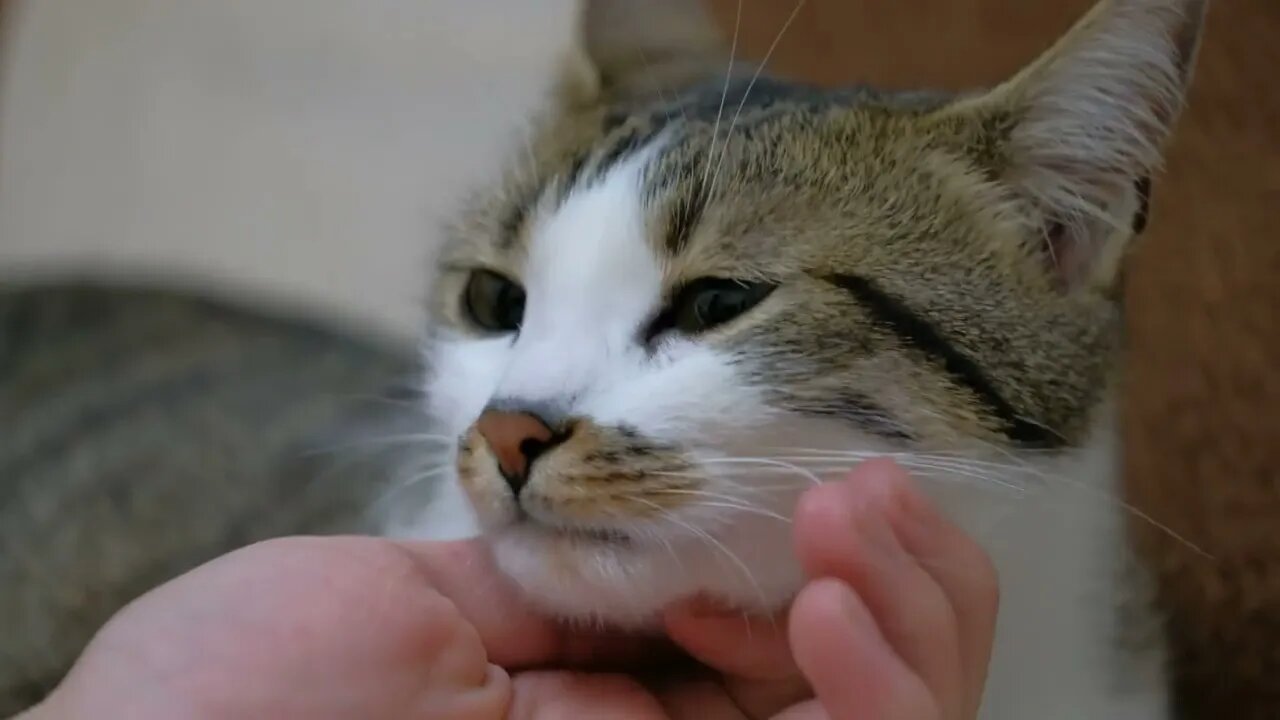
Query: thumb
[{"x": 514, "y": 633}]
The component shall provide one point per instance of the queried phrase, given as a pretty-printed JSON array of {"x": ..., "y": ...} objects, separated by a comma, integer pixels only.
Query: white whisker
[
  {"x": 406, "y": 483},
  {"x": 713, "y": 542},
  {"x": 382, "y": 440},
  {"x": 724, "y": 94},
  {"x": 956, "y": 463},
  {"x": 724, "y": 147},
  {"x": 762, "y": 461},
  {"x": 723, "y": 501}
]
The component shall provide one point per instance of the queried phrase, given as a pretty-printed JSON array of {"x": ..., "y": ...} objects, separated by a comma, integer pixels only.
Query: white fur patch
[{"x": 592, "y": 280}]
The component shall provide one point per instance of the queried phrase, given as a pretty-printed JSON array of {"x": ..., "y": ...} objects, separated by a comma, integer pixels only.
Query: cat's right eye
[
  {"x": 493, "y": 301},
  {"x": 707, "y": 303}
]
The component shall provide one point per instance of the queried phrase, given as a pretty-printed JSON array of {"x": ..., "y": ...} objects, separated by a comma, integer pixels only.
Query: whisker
[
  {"x": 822, "y": 463},
  {"x": 956, "y": 462},
  {"x": 406, "y": 483},
  {"x": 671, "y": 550},
  {"x": 958, "y": 459},
  {"x": 762, "y": 461},
  {"x": 727, "y": 502},
  {"x": 724, "y": 147},
  {"x": 729, "y": 479},
  {"x": 749, "y": 509},
  {"x": 658, "y": 86},
  {"x": 379, "y": 441},
  {"x": 724, "y": 94},
  {"x": 713, "y": 542},
  {"x": 961, "y": 471},
  {"x": 383, "y": 400}
]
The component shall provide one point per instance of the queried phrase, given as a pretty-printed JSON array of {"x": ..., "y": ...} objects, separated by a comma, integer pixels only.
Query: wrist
[{"x": 74, "y": 703}]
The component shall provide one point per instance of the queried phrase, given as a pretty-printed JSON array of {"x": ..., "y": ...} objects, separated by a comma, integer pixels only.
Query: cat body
[
  {"x": 144, "y": 431},
  {"x": 696, "y": 295}
]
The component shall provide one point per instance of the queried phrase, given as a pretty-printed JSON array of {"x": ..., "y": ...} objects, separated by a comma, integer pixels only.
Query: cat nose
[{"x": 516, "y": 439}]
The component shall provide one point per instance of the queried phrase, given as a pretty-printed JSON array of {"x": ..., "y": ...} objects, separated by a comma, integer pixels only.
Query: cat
[
  {"x": 703, "y": 289},
  {"x": 144, "y": 431}
]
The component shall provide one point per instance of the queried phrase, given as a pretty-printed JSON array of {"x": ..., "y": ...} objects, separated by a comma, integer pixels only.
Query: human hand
[
  {"x": 318, "y": 628},
  {"x": 896, "y": 625}
]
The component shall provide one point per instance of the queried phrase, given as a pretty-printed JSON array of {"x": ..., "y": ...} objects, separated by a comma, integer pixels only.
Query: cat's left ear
[
  {"x": 630, "y": 51},
  {"x": 1077, "y": 134}
]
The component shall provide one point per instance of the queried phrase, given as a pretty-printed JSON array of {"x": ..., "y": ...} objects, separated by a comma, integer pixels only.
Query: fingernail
[
  {"x": 882, "y": 476},
  {"x": 889, "y": 486},
  {"x": 850, "y": 606},
  {"x": 495, "y": 675}
]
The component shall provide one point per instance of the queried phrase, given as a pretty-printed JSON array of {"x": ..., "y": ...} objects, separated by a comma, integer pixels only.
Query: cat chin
[
  {"x": 750, "y": 564},
  {"x": 628, "y": 585}
]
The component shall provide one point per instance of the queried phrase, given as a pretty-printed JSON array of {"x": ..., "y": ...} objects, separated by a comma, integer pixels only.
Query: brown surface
[{"x": 1203, "y": 403}]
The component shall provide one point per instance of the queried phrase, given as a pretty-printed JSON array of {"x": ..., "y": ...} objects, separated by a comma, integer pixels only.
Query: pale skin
[{"x": 896, "y": 623}]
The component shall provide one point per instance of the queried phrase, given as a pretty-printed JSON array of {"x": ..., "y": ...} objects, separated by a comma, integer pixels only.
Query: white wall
[{"x": 303, "y": 150}]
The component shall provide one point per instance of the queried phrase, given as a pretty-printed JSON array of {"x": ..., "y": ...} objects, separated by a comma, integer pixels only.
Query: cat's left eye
[
  {"x": 709, "y": 302},
  {"x": 494, "y": 302}
]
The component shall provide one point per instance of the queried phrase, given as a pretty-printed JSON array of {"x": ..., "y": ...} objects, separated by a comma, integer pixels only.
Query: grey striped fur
[{"x": 144, "y": 431}]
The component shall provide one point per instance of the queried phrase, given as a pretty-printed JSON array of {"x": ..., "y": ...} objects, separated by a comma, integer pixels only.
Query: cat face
[{"x": 689, "y": 303}]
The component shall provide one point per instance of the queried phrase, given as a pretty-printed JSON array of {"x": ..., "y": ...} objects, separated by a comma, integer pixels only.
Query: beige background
[{"x": 302, "y": 151}]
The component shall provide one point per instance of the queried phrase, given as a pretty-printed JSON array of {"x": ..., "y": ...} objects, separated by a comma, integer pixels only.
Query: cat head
[{"x": 700, "y": 291}]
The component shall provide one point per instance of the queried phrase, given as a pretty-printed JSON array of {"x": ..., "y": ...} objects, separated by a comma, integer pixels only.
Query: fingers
[
  {"x": 829, "y": 636},
  {"x": 843, "y": 532},
  {"x": 929, "y": 589},
  {"x": 489, "y": 699},
  {"x": 967, "y": 577},
  {"x": 855, "y": 672},
  {"x": 752, "y": 648},
  {"x": 701, "y": 699},
  {"x": 557, "y": 695},
  {"x": 753, "y": 654},
  {"x": 515, "y": 634}
]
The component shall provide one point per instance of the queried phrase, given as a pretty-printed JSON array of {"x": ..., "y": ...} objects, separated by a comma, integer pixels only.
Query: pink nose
[{"x": 516, "y": 439}]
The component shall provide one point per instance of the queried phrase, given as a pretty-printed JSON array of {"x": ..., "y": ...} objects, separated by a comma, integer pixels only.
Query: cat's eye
[
  {"x": 493, "y": 302},
  {"x": 709, "y": 302}
]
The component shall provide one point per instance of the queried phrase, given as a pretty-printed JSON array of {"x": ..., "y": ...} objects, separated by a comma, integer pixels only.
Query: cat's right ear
[
  {"x": 1078, "y": 134},
  {"x": 634, "y": 51}
]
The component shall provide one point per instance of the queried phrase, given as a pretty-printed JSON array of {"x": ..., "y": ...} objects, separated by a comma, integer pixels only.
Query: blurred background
[{"x": 301, "y": 155}]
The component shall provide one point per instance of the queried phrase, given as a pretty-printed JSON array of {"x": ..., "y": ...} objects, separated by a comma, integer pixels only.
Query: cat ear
[
  {"x": 633, "y": 51},
  {"x": 1080, "y": 131}
]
